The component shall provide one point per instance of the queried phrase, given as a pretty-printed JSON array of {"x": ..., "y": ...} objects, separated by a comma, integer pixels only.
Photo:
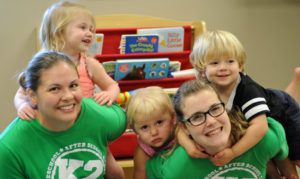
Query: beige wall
[{"x": 269, "y": 30}]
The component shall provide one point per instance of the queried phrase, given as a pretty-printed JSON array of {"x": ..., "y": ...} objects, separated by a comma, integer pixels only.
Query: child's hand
[
  {"x": 189, "y": 144},
  {"x": 104, "y": 97},
  {"x": 223, "y": 157},
  {"x": 196, "y": 151},
  {"x": 26, "y": 112}
]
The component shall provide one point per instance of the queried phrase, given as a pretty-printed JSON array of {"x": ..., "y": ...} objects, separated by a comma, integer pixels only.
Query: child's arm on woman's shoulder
[
  {"x": 140, "y": 158},
  {"x": 24, "y": 109},
  {"x": 258, "y": 127},
  {"x": 189, "y": 145},
  {"x": 109, "y": 88}
]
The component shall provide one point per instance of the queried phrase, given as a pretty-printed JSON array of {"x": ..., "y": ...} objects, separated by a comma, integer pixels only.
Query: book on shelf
[
  {"x": 175, "y": 66},
  {"x": 97, "y": 44},
  {"x": 141, "y": 69},
  {"x": 133, "y": 43},
  {"x": 171, "y": 39},
  {"x": 109, "y": 67}
]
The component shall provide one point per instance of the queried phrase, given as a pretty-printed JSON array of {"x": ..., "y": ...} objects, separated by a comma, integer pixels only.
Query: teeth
[
  {"x": 213, "y": 132},
  {"x": 66, "y": 107}
]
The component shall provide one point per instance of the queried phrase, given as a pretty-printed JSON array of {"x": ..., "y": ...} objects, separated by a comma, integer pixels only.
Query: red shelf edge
[
  {"x": 122, "y": 29},
  {"x": 155, "y": 80},
  {"x": 143, "y": 55},
  {"x": 130, "y": 85}
]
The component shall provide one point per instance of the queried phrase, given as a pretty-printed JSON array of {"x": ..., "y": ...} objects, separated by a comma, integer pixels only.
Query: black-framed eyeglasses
[{"x": 199, "y": 118}]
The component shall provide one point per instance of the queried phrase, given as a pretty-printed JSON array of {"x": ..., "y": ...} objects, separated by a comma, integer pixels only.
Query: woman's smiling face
[
  {"x": 58, "y": 97},
  {"x": 213, "y": 135}
]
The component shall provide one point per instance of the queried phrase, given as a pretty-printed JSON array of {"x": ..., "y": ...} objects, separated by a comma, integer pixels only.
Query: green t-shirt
[
  {"x": 28, "y": 150},
  {"x": 251, "y": 164}
]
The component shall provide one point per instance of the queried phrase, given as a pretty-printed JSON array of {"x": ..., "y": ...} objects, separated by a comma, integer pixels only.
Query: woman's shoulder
[
  {"x": 103, "y": 112},
  {"x": 277, "y": 129},
  {"x": 16, "y": 133},
  {"x": 91, "y": 102},
  {"x": 111, "y": 119},
  {"x": 279, "y": 147}
]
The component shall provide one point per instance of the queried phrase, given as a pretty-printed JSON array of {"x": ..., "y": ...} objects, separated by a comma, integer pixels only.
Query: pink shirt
[
  {"x": 86, "y": 83},
  {"x": 151, "y": 151}
]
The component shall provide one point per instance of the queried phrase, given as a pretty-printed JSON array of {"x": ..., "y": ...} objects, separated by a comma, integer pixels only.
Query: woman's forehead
[
  {"x": 59, "y": 71},
  {"x": 200, "y": 101}
]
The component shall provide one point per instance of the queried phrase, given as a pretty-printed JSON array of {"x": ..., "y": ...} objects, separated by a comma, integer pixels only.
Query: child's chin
[{"x": 157, "y": 146}]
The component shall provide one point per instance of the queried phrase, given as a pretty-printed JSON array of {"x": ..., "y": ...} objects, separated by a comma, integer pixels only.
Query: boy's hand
[
  {"x": 223, "y": 157},
  {"x": 196, "y": 151},
  {"x": 193, "y": 150},
  {"x": 104, "y": 97},
  {"x": 26, "y": 112}
]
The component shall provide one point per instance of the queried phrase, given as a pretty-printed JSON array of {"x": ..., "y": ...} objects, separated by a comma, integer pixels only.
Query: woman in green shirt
[
  {"x": 203, "y": 117},
  {"x": 69, "y": 137}
]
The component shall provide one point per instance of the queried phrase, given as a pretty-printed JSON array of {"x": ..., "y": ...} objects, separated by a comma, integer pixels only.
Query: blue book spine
[{"x": 139, "y": 44}]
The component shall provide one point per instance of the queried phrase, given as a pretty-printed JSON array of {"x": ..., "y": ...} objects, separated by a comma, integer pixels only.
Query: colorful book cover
[
  {"x": 110, "y": 67},
  {"x": 174, "y": 66},
  {"x": 96, "y": 47},
  {"x": 141, "y": 69},
  {"x": 171, "y": 39},
  {"x": 138, "y": 43}
]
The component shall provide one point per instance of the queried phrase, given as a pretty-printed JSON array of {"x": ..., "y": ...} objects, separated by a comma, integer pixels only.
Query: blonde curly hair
[{"x": 213, "y": 45}]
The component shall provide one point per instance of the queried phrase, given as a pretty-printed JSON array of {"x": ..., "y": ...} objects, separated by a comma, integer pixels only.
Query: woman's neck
[
  {"x": 51, "y": 125},
  {"x": 213, "y": 150}
]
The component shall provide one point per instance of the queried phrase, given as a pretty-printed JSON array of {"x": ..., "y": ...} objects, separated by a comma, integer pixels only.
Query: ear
[
  {"x": 200, "y": 74},
  {"x": 32, "y": 97},
  {"x": 137, "y": 136},
  {"x": 241, "y": 68}
]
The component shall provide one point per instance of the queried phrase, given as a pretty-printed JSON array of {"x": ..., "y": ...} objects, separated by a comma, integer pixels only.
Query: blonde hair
[
  {"x": 54, "y": 23},
  {"x": 146, "y": 102},
  {"x": 214, "y": 45}
]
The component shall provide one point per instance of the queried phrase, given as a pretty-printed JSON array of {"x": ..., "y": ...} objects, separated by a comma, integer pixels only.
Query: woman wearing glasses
[{"x": 203, "y": 116}]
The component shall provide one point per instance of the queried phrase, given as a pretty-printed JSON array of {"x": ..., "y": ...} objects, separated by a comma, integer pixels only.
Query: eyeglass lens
[{"x": 200, "y": 117}]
